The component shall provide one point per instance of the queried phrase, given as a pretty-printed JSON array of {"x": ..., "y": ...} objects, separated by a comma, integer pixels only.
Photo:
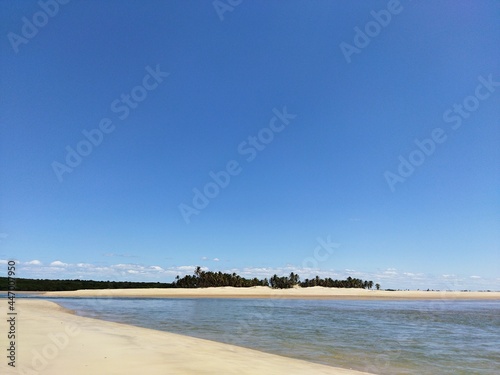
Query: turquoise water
[{"x": 382, "y": 337}]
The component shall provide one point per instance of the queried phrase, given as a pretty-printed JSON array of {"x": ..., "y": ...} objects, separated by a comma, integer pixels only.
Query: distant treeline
[
  {"x": 45, "y": 285},
  {"x": 205, "y": 279},
  {"x": 200, "y": 279}
]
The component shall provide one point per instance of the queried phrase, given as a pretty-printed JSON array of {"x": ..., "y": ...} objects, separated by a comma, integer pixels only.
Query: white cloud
[
  {"x": 58, "y": 263},
  {"x": 33, "y": 262},
  {"x": 216, "y": 259},
  {"x": 390, "y": 272},
  {"x": 121, "y": 265},
  {"x": 84, "y": 265},
  {"x": 188, "y": 268},
  {"x": 120, "y": 271},
  {"x": 475, "y": 277}
]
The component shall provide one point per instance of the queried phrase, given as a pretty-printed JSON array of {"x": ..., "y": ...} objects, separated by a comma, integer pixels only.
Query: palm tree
[
  {"x": 349, "y": 282},
  {"x": 294, "y": 278},
  {"x": 377, "y": 285},
  {"x": 317, "y": 281},
  {"x": 197, "y": 271}
]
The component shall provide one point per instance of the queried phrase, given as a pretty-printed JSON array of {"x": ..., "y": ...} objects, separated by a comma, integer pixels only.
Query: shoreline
[
  {"x": 54, "y": 341},
  {"x": 266, "y": 292}
]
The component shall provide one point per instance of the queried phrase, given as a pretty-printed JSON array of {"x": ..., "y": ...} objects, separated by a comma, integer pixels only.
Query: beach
[
  {"x": 53, "y": 340},
  {"x": 266, "y": 292}
]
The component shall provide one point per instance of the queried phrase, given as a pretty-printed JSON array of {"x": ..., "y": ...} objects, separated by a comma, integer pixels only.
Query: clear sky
[{"x": 373, "y": 126}]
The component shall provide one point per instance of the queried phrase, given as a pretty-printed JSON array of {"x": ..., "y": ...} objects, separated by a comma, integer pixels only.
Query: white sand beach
[
  {"x": 266, "y": 292},
  {"x": 51, "y": 340}
]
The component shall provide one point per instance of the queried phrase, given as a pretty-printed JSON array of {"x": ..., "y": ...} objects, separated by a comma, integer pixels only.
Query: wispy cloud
[
  {"x": 58, "y": 263},
  {"x": 33, "y": 262}
]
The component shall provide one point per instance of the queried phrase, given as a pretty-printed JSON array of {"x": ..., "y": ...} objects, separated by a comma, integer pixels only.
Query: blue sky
[{"x": 179, "y": 87}]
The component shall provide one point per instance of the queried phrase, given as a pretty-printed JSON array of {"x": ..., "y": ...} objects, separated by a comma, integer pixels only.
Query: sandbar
[{"x": 266, "y": 292}]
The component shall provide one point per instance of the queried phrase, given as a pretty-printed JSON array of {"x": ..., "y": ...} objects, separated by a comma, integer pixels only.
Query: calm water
[{"x": 382, "y": 337}]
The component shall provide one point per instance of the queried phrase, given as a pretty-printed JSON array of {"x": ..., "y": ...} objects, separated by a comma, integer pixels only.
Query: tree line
[
  {"x": 46, "y": 285},
  {"x": 205, "y": 279}
]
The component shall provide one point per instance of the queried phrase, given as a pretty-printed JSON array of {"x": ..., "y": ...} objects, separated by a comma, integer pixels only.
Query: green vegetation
[
  {"x": 45, "y": 285},
  {"x": 329, "y": 283},
  {"x": 205, "y": 279},
  {"x": 200, "y": 279}
]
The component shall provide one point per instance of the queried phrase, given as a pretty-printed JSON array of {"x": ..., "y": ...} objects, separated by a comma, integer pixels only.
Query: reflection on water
[{"x": 383, "y": 337}]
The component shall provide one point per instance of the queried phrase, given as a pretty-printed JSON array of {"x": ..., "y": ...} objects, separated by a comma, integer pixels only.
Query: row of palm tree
[
  {"x": 294, "y": 279},
  {"x": 348, "y": 283},
  {"x": 205, "y": 279}
]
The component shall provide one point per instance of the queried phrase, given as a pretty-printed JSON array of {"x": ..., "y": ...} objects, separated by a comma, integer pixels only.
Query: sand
[
  {"x": 266, "y": 292},
  {"x": 53, "y": 341}
]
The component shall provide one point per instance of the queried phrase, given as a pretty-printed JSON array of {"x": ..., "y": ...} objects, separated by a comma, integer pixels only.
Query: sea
[{"x": 381, "y": 337}]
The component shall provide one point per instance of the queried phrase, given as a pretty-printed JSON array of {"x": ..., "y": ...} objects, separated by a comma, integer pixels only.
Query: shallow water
[{"x": 382, "y": 337}]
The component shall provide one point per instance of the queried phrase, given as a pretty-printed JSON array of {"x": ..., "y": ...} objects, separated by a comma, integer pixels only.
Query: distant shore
[
  {"x": 266, "y": 292},
  {"x": 54, "y": 341}
]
